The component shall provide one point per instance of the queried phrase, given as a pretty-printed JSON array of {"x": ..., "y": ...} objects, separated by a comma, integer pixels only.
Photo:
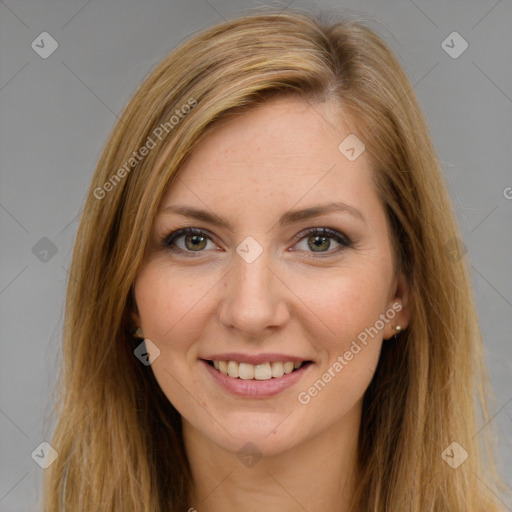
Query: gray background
[{"x": 56, "y": 114}]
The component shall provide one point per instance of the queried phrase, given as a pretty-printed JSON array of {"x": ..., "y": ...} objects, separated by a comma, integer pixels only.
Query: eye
[
  {"x": 319, "y": 240},
  {"x": 187, "y": 240},
  {"x": 315, "y": 240}
]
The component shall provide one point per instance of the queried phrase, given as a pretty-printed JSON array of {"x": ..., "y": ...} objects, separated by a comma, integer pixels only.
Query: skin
[{"x": 250, "y": 170}]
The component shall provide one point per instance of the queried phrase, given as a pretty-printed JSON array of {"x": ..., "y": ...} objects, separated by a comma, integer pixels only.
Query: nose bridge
[
  {"x": 253, "y": 299},
  {"x": 251, "y": 278}
]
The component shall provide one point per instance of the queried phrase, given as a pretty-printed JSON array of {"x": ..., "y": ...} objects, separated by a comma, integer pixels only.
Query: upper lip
[{"x": 254, "y": 358}]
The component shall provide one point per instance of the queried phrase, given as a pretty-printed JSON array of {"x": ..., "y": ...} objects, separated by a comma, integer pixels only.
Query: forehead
[{"x": 284, "y": 152}]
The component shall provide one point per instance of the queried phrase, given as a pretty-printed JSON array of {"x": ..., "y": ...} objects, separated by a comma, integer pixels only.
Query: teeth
[
  {"x": 277, "y": 369},
  {"x": 223, "y": 367},
  {"x": 233, "y": 369},
  {"x": 263, "y": 371},
  {"x": 246, "y": 370},
  {"x": 288, "y": 367}
]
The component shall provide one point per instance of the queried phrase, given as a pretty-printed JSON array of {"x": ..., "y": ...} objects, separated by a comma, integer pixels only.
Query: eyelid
[
  {"x": 338, "y": 236},
  {"x": 325, "y": 230}
]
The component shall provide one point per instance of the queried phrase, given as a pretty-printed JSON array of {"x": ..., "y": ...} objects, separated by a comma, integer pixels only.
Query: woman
[{"x": 263, "y": 313}]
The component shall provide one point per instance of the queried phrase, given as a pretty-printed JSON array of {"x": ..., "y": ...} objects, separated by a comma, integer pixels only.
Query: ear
[
  {"x": 135, "y": 319},
  {"x": 399, "y": 306},
  {"x": 134, "y": 312},
  {"x": 135, "y": 325}
]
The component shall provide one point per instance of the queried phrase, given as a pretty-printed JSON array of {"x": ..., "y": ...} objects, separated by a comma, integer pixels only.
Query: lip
[
  {"x": 256, "y": 388},
  {"x": 254, "y": 358}
]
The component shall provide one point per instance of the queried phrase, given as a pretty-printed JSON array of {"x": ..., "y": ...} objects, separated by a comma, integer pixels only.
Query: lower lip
[{"x": 256, "y": 388}]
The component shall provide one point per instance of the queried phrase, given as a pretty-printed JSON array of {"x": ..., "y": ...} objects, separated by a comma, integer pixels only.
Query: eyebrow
[{"x": 291, "y": 217}]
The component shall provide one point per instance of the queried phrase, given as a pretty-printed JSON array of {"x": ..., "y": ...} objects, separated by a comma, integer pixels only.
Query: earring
[
  {"x": 138, "y": 333},
  {"x": 398, "y": 330}
]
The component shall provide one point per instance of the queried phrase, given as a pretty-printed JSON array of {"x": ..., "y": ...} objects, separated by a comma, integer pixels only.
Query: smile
[
  {"x": 263, "y": 371},
  {"x": 260, "y": 375}
]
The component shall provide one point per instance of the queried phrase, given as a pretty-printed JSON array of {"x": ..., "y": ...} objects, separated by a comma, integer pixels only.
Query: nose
[{"x": 254, "y": 299}]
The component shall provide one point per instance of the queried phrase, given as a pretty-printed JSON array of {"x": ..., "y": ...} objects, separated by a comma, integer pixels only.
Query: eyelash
[{"x": 326, "y": 232}]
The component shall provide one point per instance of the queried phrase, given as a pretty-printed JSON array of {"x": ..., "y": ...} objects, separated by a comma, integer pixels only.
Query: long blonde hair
[{"x": 117, "y": 436}]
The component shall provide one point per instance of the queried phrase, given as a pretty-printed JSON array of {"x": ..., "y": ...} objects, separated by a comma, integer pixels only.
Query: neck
[{"x": 317, "y": 474}]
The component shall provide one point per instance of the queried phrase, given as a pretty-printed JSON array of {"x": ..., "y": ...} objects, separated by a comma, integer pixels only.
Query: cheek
[
  {"x": 170, "y": 310},
  {"x": 347, "y": 304},
  {"x": 349, "y": 311},
  {"x": 169, "y": 303}
]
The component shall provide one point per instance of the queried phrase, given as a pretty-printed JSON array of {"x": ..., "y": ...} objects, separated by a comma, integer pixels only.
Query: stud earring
[
  {"x": 398, "y": 330},
  {"x": 138, "y": 333}
]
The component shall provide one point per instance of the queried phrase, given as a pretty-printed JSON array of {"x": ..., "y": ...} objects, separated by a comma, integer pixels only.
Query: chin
[{"x": 267, "y": 434}]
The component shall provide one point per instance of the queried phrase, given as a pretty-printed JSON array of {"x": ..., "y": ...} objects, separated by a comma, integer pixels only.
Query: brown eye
[
  {"x": 195, "y": 242},
  {"x": 318, "y": 243},
  {"x": 320, "y": 240},
  {"x": 187, "y": 240}
]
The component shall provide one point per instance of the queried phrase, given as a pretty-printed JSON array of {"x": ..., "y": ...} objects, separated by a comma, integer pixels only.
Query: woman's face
[{"x": 271, "y": 274}]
